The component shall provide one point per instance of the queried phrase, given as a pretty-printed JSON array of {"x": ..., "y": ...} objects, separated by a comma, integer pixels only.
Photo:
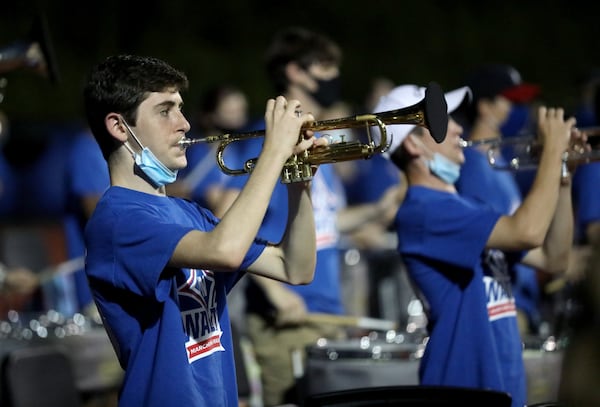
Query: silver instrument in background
[{"x": 524, "y": 152}]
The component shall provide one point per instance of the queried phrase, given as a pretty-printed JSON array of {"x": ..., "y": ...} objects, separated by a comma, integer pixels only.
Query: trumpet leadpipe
[{"x": 186, "y": 141}]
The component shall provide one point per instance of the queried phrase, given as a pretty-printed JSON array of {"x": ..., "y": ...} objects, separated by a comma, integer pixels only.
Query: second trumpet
[{"x": 524, "y": 152}]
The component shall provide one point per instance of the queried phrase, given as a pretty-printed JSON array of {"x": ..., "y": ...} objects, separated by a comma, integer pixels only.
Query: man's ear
[
  {"x": 114, "y": 125},
  {"x": 412, "y": 144}
]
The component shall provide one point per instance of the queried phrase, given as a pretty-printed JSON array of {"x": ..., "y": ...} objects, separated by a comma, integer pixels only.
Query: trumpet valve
[{"x": 296, "y": 170}]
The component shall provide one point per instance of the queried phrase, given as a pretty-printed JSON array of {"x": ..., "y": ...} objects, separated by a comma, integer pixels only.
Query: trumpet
[
  {"x": 431, "y": 112},
  {"x": 34, "y": 53},
  {"x": 524, "y": 152}
]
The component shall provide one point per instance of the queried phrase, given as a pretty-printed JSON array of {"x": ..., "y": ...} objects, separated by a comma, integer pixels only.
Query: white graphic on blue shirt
[
  {"x": 199, "y": 314},
  {"x": 500, "y": 300},
  {"x": 326, "y": 200}
]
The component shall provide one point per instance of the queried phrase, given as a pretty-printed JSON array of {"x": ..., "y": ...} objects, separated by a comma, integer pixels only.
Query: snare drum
[{"x": 346, "y": 364}]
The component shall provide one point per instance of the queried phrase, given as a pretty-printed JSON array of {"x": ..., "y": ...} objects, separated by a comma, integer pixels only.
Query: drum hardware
[{"x": 351, "y": 321}]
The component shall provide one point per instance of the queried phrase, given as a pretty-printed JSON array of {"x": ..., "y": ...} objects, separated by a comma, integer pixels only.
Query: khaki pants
[{"x": 273, "y": 348}]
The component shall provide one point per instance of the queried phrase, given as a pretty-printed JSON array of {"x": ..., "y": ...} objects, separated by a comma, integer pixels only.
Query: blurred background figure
[
  {"x": 585, "y": 109},
  {"x": 61, "y": 175},
  {"x": 581, "y": 362},
  {"x": 586, "y": 200},
  {"x": 379, "y": 86},
  {"x": 16, "y": 284},
  {"x": 389, "y": 294},
  {"x": 304, "y": 65},
  {"x": 8, "y": 184},
  {"x": 51, "y": 175},
  {"x": 577, "y": 293}
]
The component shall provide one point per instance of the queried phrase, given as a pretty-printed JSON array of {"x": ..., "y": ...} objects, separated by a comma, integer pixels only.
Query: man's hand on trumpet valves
[
  {"x": 284, "y": 121},
  {"x": 554, "y": 129},
  {"x": 579, "y": 143}
]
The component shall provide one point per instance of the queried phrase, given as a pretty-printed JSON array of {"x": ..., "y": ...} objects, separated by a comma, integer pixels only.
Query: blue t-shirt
[
  {"x": 474, "y": 339},
  {"x": 169, "y": 326},
  {"x": 499, "y": 190}
]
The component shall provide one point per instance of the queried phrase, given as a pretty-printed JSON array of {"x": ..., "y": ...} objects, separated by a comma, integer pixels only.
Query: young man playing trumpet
[
  {"x": 453, "y": 249},
  {"x": 160, "y": 267}
]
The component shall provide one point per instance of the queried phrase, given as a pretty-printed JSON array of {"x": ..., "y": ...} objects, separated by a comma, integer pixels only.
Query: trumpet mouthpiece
[{"x": 186, "y": 142}]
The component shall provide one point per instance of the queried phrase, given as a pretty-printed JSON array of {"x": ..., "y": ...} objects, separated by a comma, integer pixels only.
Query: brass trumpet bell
[{"x": 431, "y": 112}]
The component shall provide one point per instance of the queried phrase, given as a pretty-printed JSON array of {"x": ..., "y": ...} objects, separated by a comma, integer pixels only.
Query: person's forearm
[
  {"x": 299, "y": 241},
  {"x": 351, "y": 218},
  {"x": 559, "y": 240},
  {"x": 534, "y": 215},
  {"x": 240, "y": 224}
]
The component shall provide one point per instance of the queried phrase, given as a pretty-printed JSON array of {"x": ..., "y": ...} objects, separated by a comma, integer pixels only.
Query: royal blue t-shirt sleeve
[
  {"x": 256, "y": 248},
  {"x": 144, "y": 246}
]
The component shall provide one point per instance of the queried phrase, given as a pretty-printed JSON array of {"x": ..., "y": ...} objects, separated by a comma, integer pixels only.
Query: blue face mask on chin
[
  {"x": 158, "y": 173},
  {"x": 445, "y": 169}
]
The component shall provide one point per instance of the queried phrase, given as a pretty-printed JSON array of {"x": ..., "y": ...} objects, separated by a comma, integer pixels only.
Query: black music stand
[{"x": 417, "y": 396}]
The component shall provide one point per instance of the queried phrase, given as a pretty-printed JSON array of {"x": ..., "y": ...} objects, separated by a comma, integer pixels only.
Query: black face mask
[{"x": 328, "y": 92}]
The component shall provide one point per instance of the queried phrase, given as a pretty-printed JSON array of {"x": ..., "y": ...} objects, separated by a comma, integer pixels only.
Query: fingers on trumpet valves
[
  {"x": 578, "y": 142},
  {"x": 293, "y": 106}
]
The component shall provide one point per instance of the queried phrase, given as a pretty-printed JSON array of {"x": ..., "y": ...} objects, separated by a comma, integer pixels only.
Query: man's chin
[{"x": 181, "y": 164}]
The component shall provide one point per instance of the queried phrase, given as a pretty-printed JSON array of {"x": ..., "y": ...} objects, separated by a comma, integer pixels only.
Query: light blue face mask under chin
[
  {"x": 445, "y": 169},
  {"x": 158, "y": 173},
  {"x": 155, "y": 170}
]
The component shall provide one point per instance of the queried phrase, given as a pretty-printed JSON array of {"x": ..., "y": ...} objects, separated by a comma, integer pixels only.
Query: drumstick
[
  {"x": 351, "y": 321},
  {"x": 64, "y": 268}
]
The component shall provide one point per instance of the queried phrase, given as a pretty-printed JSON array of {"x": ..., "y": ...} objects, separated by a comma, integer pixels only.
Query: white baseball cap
[{"x": 407, "y": 95}]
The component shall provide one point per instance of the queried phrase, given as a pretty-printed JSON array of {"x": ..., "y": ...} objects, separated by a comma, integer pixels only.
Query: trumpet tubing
[{"x": 431, "y": 113}]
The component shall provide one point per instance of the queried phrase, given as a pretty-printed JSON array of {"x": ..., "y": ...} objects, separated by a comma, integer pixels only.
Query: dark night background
[{"x": 552, "y": 43}]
